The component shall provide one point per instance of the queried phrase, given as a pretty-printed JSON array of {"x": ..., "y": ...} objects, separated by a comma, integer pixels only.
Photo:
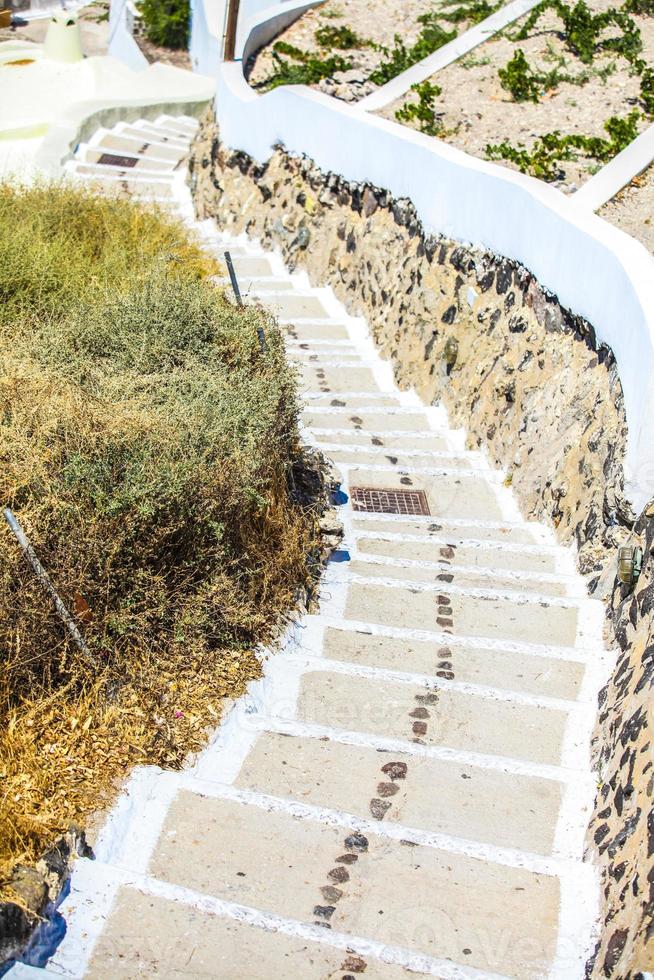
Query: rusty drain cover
[
  {"x": 390, "y": 501},
  {"x": 113, "y": 160}
]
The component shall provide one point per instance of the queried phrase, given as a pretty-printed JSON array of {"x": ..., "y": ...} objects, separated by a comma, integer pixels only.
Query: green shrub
[
  {"x": 400, "y": 57},
  {"x": 518, "y": 78},
  {"x": 544, "y": 159},
  {"x": 308, "y": 69},
  {"x": 423, "y": 112},
  {"x": 647, "y": 90},
  {"x": 339, "y": 37},
  {"x": 583, "y": 30},
  {"x": 166, "y": 22},
  {"x": 146, "y": 445},
  {"x": 469, "y": 12}
]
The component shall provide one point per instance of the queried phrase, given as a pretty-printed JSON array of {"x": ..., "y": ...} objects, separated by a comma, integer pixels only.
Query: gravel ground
[
  {"x": 632, "y": 209},
  {"x": 477, "y": 110},
  {"x": 375, "y": 20}
]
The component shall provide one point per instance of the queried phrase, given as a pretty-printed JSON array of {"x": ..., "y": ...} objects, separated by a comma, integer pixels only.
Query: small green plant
[
  {"x": 471, "y": 61},
  {"x": 469, "y": 11},
  {"x": 400, "y": 57},
  {"x": 166, "y": 22},
  {"x": 526, "y": 85},
  {"x": 643, "y": 7},
  {"x": 583, "y": 30},
  {"x": 343, "y": 38},
  {"x": 307, "y": 70},
  {"x": 545, "y": 157},
  {"x": 518, "y": 78},
  {"x": 647, "y": 90},
  {"x": 423, "y": 112}
]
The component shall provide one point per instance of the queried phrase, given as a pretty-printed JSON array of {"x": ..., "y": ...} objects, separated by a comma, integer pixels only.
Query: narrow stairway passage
[{"x": 407, "y": 788}]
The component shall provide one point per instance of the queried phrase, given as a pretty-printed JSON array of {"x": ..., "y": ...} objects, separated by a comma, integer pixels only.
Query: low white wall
[
  {"x": 122, "y": 45},
  {"x": 207, "y": 29},
  {"x": 258, "y": 26},
  {"x": 595, "y": 270},
  {"x": 606, "y": 183}
]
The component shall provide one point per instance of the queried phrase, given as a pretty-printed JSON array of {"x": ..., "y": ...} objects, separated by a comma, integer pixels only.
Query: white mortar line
[
  {"x": 84, "y": 148},
  {"x": 478, "y": 472},
  {"x": 401, "y": 452},
  {"x": 121, "y": 129},
  {"x": 575, "y": 654},
  {"x": 445, "y": 55},
  {"x": 616, "y": 174},
  {"x": 452, "y": 567},
  {"x": 339, "y": 572},
  {"x": 441, "y": 753},
  {"x": 490, "y": 544},
  {"x": 485, "y": 692}
]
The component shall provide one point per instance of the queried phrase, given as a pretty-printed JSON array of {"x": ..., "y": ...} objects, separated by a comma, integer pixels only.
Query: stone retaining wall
[
  {"x": 622, "y": 827},
  {"x": 531, "y": 385},
  {"x": 462, "y": 326}
]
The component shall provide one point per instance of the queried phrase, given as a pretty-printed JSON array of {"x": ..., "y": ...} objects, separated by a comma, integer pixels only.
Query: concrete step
[
  {"x": 308, "y": 331},
  {"x": 532, "y": 620},
  {"x": 154, "y": 134},
  {"x": 453, "y": 495},
  {"x": 126, "y": 161},
  {"x": 414, "y": 711},
  {"x": 456, "y": 549},
  {"x": 340, "y": 419},
  {"x": 475, "y": 804},
  {"x": 125, "y": 187},
  {"x": 298, "y": 306},
  {"x": 133, "y": 174},
  {"x": 142, "y": 146},
  {"x": 461, "y": 576},
  {"x": 456, "y": 659}
]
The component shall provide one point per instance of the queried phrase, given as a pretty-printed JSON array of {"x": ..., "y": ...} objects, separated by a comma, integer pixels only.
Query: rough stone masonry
[{"x": 533, "y": 387}]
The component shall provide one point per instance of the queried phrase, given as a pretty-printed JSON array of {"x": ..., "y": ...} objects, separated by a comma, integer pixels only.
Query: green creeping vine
[
  {"x": 543, "y": 160},
  {"x": 582, "y": 32},
  {"x": 308, "y": 70},
  {"x": 343, "y": 38},
  {"x": 424, "y": 111},
  {"x": 583, "y": 29},
  {"x": 470, "y": 11},
  {"x": 432, "y": 37},
  {"x": 527, "y": 85}
]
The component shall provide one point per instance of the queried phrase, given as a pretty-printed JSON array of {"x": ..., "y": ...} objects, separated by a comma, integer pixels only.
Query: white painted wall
[
  {"x": 594, "y": 269},
  {"x": 207, "y": 30},
  {"x": 122, "y": 45}
]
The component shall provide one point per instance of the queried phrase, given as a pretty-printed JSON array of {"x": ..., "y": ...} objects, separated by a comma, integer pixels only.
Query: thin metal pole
[
  {"x": 230, "y": 30},
  {"x": 232, "y": 276},
  {"x": 261, "y": 334},
  {"x": 43, "y": 577}
]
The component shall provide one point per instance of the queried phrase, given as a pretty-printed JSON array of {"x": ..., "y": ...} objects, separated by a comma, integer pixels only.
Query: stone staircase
[{"x": 406, "y": 790}]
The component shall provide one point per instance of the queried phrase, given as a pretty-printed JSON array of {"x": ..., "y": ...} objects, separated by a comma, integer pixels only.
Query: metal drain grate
[
  {"x": 112, "y": 160},
  {"x": 376, "y": 501}
]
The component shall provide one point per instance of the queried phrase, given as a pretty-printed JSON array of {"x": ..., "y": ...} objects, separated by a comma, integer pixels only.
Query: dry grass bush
[{"x": 145, "y": 445}]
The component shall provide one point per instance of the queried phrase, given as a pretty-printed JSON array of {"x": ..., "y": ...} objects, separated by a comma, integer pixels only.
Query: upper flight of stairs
[{"x": 406, "y": 790}]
